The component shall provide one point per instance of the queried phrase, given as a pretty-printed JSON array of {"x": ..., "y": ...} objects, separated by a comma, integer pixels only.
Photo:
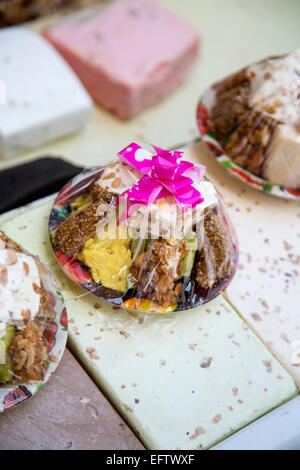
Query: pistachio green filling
[
  {"x": 189, "y": 259},
  {"x": 6, "y": 365}
]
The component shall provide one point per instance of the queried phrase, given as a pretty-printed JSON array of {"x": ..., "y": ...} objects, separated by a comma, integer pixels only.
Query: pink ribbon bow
[{"x": 165, "y": 174}]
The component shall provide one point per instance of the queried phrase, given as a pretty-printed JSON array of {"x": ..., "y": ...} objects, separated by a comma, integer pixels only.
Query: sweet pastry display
[
  {"x": 51, "y": 101},
  {"x": 125, "y": 83},
  {"x": 147, "y": 232},
  {"x": 18, "y": 11},
  {"x": 253, "y": 117},
  {"x": 33, "y": 321}
]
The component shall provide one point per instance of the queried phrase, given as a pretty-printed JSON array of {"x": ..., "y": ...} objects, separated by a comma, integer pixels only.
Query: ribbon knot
[{"x": 165, "y": 174}]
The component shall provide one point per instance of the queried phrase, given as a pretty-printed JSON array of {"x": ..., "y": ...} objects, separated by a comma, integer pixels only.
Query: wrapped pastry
[
  {"x": 30, "y": 312},
  {"x": 147, "y": 232},
  {"x": 255, "y": 117}
]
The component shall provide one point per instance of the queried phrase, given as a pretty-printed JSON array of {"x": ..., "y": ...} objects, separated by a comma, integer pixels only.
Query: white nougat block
[{"x": 41, "y": 97}]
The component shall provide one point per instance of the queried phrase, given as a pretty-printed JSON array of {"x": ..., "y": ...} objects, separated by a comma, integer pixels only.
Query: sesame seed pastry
[
  {"x": 146, "y": 232},
  {"x": 29, "y": 306},
  {"x": 255, "y": 116}
]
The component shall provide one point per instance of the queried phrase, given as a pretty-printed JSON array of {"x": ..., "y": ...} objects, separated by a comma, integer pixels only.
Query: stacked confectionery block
[
  {"x": 130, "y": 56},
  {"x": 43, "y": 98}
]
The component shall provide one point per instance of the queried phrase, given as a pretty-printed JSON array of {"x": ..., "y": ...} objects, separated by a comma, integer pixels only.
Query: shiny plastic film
[
  {"x": 147, "y": 232},
  {"x": 33, "y": 324},
  {"x": 253, "y": 117}
]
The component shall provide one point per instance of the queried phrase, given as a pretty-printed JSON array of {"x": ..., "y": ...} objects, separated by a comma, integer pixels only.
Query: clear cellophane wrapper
[
  {"x": 156, "y": 259},
  {"x": 33, "y": 323},
  {"x": 254, "y": 115}
]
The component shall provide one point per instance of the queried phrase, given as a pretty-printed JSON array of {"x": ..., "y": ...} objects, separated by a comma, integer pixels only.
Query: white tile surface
[{"x": 278, "y": 430}]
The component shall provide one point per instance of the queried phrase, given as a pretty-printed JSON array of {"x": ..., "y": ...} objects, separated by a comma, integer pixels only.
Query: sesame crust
[
  {"x": 72, "y": 234},
  {"x": 244, "y": 132},
  {"x": 29, "y": 353},
  {"x": 156, "y": 279},
  {"x": 213, "y": 262}
]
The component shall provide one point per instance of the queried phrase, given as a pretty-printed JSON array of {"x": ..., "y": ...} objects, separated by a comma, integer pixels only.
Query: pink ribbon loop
[{"x": 165, "y": 174}]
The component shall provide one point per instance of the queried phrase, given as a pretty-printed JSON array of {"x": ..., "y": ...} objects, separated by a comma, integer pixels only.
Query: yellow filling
[
  {"x": 81, "y": 202},
  {"x": 109, "y": 259}
]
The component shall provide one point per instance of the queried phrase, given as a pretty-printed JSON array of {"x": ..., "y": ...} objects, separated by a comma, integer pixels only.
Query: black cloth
[{"x": 31, "y": 181}]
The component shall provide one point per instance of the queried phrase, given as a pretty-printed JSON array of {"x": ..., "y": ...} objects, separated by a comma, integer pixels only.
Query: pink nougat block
[{"x": 130, "y": 56}]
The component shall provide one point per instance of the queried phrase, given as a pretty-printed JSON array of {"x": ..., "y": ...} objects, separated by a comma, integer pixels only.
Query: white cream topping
[
  {"x": 275, "y": 87},
  {"x": 19, "y": 288}
]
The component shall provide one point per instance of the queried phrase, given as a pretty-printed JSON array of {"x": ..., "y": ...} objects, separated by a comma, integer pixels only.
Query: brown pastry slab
[{"x": 69, "y": 413}]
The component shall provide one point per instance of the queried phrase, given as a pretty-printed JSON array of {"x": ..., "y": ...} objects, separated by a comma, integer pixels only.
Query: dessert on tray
[
  {"x": 41, "y": 98},
  {"x": 255, "y": 116},
  {"x": 31, "y": 313},
  {"x": 147, "y": 232},
  {"x": 130, "y": 56}
]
